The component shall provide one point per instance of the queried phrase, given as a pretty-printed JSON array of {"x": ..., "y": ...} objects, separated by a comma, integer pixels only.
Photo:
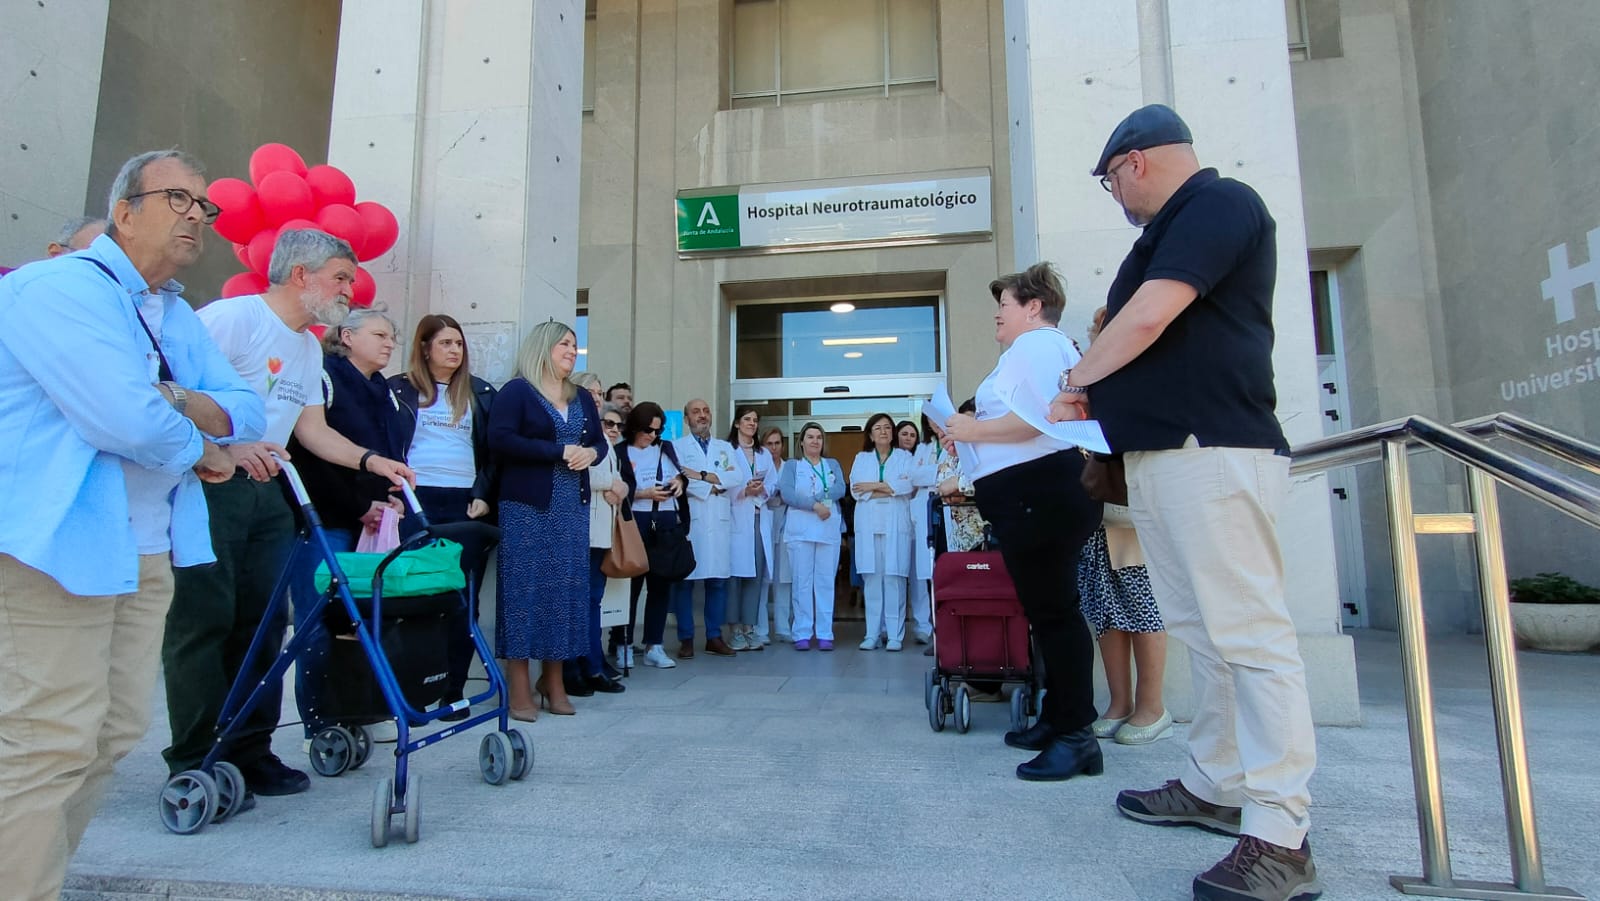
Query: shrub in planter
[{"x": 1555, "y": 612}]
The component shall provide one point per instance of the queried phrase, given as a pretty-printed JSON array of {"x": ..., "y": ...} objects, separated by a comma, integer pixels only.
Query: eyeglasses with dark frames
[
  {"x": 649, "y": 431},
  {"x": 182, "y": 202},
  {"x": 1105, "y": 180},
  {"x": 612, "y": 423}
]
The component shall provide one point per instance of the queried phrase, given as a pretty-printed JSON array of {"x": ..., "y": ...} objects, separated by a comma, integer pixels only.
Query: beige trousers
[
  {"x": 76, "y": 679},
  {"x": 1207, "y": 521}
]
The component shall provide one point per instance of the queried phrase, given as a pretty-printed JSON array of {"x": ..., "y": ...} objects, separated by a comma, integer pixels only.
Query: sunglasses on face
[
  {"x": 613, "y": 424},
  {"x": 650, "y": 431}
]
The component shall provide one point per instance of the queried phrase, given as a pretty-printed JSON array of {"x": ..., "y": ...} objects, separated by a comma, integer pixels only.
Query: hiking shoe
[
  {"x": 1257, "y": 870},
  {"x": 1174, "y": 805}
]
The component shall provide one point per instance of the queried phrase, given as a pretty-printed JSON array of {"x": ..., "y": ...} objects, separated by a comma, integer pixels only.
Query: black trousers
[
  {"x": 657, "y": 601},
  {"x": 442, "y": 507},
  {"x": 1041, "y": 517}
]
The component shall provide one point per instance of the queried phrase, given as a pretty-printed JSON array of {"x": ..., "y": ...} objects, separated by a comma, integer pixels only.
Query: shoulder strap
[{"x": 165, "y": 370}]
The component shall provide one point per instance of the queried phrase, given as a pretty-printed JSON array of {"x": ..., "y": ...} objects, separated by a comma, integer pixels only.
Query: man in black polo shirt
[{"x": 1181, "y": 380}]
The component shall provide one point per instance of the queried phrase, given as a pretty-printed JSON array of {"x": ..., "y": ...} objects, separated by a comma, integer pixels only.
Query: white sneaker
[
  {"x": 625, "y": 658},
  {"x": 384, "y": 731},
  {"x": 756, "y": 642},
  {"x": 658, "y": 657},
  {"x": 762, "y": 640},
  {"x": 870, "y": 643},
  {"x": 892, "y": 646},
  {"x": 738, "y": 642}
]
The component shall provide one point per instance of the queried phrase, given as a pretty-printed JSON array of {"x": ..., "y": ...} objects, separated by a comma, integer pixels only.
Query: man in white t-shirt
[{"x": 217, "y": 609}]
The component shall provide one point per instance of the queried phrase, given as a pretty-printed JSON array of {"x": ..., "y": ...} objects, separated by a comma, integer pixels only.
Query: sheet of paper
[
  {"x": 939, "y": 409},
  {"x": 1084, "y": 433}
]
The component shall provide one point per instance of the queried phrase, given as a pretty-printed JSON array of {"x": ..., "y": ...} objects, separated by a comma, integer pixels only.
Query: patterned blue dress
[{"x": 544, "y": 564}]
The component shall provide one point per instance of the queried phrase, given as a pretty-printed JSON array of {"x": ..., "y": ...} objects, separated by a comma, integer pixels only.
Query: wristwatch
[
  {"x": 1066, "y": 388},
  {"x": 180, "y": 397}
]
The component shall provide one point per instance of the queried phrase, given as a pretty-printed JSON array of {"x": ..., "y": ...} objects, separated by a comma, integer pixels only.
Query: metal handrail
[{"x": 1392, "y": 443}]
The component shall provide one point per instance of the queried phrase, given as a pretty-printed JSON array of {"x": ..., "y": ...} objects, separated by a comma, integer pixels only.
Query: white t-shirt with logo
[
  {"x": 282, "y": 365},
  {"x": 441, "y": 451}
]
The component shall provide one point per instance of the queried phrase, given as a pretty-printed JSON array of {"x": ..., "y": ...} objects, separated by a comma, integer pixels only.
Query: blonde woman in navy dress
[
  {"x": 880, "y": 481},
  {"x": 546, "y": 434}
]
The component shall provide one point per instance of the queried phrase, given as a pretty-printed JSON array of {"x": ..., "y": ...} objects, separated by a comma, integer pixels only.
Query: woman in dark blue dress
[{"x": 546, "y": 435}]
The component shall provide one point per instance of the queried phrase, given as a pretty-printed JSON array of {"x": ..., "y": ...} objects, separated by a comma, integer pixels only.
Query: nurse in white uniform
[
  {"x": 750, "y": 562},
  {"x": 782, "y": 590},
  {"x": 811, "y": 486},
  {"x": 924, "y": 476},
  {"x": 880, "y": 481}
]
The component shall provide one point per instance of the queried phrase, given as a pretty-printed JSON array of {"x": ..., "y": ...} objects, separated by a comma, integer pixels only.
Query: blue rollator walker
[{"x": 371, "y": 687}]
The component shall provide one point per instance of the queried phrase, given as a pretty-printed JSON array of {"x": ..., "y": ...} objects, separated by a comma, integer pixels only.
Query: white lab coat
[
  {"x": 924, "y": 477},
  {"x": 745, "y": 521},
  {"x": 888, "y": 516},
  {"x": 710, "y": 516}
]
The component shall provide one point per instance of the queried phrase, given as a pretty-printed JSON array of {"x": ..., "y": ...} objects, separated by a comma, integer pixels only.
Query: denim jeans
[
  {"x": 590, "y": 663},
  {"x": 310, "y": 670},
  {"x": 716, "y": 607}
]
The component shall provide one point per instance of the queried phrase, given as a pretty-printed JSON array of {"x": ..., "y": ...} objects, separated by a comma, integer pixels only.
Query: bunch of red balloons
[{"x": 288, "y": 195}]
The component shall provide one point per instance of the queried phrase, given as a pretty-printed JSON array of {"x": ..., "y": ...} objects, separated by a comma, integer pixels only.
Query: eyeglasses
[
  {"x": 650, "y": 431},
  {"x": 1105, "y": 180},
  {"x": 182, "y": 202},
  {"x": 613, "y": 423}
]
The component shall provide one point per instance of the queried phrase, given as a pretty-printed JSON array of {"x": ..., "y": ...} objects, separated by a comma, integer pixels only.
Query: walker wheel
[
  {"x": 936, "y": 709},
  {"x": 333, "y": 751},
  {"x": 230, "y": 789},
  {"x": 188, "y": 802},
  {"x": 1019, "y": 709},
  {"x": 521, "y": 753},
  {"x": 927, "y": 689},
  {"x": 963, "y": 709},
  {"x": 382, "y": 795},
  {"x": 363, "y": 737},
  {"x": 413, "y": 815},
  {"x": 495, "y": 758}
]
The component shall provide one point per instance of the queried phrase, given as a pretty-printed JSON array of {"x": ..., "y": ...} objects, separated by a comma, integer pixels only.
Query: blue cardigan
[{"x": 522, "y": 436}]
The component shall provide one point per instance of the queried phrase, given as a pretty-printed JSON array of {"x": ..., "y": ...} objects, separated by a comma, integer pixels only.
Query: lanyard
[
  {"x": 750, "y": 460},
  {"x": 822, "y": 473},
  {"x": 881, "y": 462},
  {"x": 165, "y": 370}
]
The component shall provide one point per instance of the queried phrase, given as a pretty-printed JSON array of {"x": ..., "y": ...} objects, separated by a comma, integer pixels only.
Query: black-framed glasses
[
  {"x": 182, "y": 202},
  {"x": 1105, "y": 180},
  {"x": 649, "y": 431},
  {"x": 612, "y": 423}
]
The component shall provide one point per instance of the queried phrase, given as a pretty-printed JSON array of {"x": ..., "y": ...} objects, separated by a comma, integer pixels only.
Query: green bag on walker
[{"x": 433, "y": 568}]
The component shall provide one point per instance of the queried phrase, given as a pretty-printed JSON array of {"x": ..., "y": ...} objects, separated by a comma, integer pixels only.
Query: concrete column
[
  {"x": 1228, "y": 65},
  {"x": 465, "y": 118},
  {"x": 50, "y": 57}
]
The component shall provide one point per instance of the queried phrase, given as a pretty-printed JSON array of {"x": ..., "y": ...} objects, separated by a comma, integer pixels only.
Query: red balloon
[
  {"x": 270, "y": 158},
  {"x": 242, "y": 284},
  {"x": 382, "y": 230},
  {"x": 284, "y": 196},
  {"x": 363, "y": 290},
  {"x": 242, "y": 253},
  {"x": 298, "y": 224},
  {"x": 330, "y": 186},
  {"x": 259, "y": 251},
  {"x": 241, "y": 211},
  {"x": 344, "y": 223}
]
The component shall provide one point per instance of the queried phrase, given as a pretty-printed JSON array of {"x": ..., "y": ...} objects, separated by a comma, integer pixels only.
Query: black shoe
[
  {"x": 456, "y": 716},
  {"x": 1033, "y": 738},
  {"x": 609, "y": 671},
  {"x": 1066, "y": 756},
  {"x": 270, "y": 776},
  {"x": 605, "y": 685},
  {"x": 577, "y": 688}
]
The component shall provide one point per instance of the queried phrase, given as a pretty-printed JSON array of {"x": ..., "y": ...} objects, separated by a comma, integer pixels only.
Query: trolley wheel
[
  {"x": 333, "y": 751},
  {"x": 413, "y": 815},
  {"x": 1019, "y": 709},
  {"x": 230, "y": 789},
  {"x": 363, "y": 737},
  {"x": 382, "y": 795},
  {"x": 1038, "y": 702},
  {"x": 927, "y": 688},
  {"x": 495, "y": 758},
  {"x": 936, "y": 709},
  {"x": 188, "y": 802},
  {"x": 521, "y": 753},
  {"x": 963, "y": 709}
]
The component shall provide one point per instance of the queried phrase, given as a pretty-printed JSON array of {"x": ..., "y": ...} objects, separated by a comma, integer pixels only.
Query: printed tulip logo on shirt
[{"x": 274, "y": 366}]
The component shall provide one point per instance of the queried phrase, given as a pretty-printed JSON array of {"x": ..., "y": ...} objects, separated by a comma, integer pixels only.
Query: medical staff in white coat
[
  {"x": 924, "y": 476},
  {"x": 811, "y": 486},
  {"x": 782, "y": 589},
  {"x": 714, "y": 479},
  {"x": 880, "y": 481},
  {"x": 750, "y": 554}
]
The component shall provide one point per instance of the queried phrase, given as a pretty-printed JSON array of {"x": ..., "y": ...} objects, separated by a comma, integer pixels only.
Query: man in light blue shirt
[{"x": 114, "y": 404}]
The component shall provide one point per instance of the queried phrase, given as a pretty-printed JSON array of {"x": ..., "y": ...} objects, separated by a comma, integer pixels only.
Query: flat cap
[{"x": 1146, "y": 127}]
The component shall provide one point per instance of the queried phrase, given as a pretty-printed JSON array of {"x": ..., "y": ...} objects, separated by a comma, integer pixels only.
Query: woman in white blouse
[
  {"x": 782, "y": 583},
  {"x": 751, "y": 538},
  {"x": 811, "y": 486},
  {"x": 926, "y": 452},
  {"x": 1028, "y": 489},
  {"x": 880, "y": 481}
]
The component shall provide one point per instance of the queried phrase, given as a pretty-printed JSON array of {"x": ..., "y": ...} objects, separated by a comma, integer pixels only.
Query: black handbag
[{"x": 671, "y": 555}]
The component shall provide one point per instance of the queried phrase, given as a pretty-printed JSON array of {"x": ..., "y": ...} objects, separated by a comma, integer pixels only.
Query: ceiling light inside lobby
[
  {"x": 852, "y": 355},
  {"x": 846, "y": 342},
  {"x": 843, "y": 306}
]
